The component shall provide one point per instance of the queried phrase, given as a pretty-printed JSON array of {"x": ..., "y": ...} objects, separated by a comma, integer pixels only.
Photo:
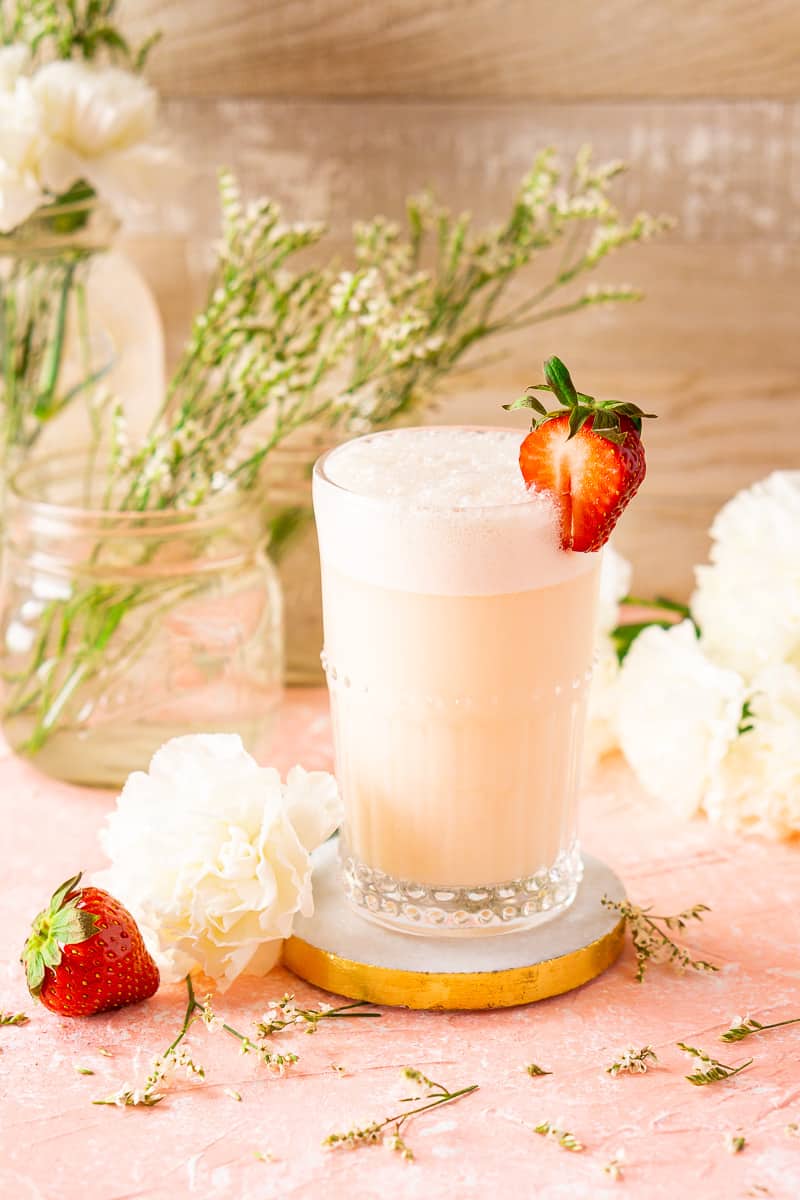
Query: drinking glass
[{"x": 458, "y": 655}]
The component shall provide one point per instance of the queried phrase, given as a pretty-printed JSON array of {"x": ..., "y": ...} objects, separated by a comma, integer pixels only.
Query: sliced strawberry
[
  {"x": 588, "y": 455},
  {"x": 85, "y": 954}
]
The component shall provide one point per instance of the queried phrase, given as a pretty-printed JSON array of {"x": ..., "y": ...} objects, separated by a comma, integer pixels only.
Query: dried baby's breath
[
  {"x": 389, "y": 1130},
  {"x": 534, "y": 1070},
  {"x": 286, "y": 1014},
  {"x": 653, "y": 944},
  {"x": 615, "y": 1166},
  {"x": 565, "y": 1139},
  {"x": 633, "y": 1061},
  {"x": 742, "y": 1027},
  {"x": 707, "y": 1069},
  {"x": 8, "y": 1018}
]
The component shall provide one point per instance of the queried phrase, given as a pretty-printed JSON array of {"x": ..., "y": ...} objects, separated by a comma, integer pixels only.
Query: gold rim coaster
[{"x": 339, "y": 950}]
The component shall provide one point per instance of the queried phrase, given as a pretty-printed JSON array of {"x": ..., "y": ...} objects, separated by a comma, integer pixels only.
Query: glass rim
[
  {"x": 320, "y": 472},
  {"x": 67, "y": 464}
]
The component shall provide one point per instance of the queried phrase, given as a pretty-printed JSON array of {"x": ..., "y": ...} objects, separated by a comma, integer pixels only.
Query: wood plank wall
[{"x": 339, "y": 108}]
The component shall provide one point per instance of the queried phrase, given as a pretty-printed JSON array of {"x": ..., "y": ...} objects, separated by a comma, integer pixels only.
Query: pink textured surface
[{"x": 200, "y": 1142}]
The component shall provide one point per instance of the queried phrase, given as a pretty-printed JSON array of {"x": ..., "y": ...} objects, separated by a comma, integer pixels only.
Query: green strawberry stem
[
  {"x": 61, "y": 924},
  {"x": 605, "y": 415}
]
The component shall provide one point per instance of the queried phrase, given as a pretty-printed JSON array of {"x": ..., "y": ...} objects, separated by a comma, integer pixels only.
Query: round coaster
[{"x": 343, "y": 952}]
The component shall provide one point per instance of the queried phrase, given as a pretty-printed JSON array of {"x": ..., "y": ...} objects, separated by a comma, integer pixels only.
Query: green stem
[
  {"x": 400, "y": 1118},
  {"x": 191, "y": 1005},
  {"x": 52, "y": 368}
]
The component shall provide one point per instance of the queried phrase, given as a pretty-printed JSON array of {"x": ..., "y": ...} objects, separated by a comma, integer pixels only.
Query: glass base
[{"x": 429, "y": 910}]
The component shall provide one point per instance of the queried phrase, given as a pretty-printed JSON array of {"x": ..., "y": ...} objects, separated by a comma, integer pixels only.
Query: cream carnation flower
[
  {"x": 21, "y": 147},
  {"x": 601, "y": 722},
  {"x": 615, "y": 584},
  {"x": 210, "y": 852},
  {"x": 747, "y": 601},
  {"x": 601, "y": 735},
  {"x": 678, "y": 715},
  {"x": 98, "y": 120},
  {"x": 14, "y": 61},
  {"x": 758, "y": 789}
]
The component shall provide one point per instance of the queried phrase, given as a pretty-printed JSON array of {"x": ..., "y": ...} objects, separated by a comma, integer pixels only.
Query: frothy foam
[
  {"x": 441, "y": 510},
  {"x": 433, "y": 468}
]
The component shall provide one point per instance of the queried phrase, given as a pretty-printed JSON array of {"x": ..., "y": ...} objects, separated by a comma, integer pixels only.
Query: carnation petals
[
  {"x": 206, "y": 854},
  {"x": 678, "y": 715}
]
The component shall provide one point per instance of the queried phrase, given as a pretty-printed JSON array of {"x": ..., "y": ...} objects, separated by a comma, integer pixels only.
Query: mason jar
[{"x": 120, "y": 629}]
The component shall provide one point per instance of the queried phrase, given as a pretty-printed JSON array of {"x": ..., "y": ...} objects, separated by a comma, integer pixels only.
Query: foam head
[{"x": 440, "y": 509}]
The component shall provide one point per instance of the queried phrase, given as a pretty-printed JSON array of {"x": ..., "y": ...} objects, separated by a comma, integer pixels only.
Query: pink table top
[{"x": 201, "y": 1142}]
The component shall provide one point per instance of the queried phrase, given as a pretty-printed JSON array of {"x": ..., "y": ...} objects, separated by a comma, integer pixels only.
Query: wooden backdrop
[{"x": 339, "y": 108}]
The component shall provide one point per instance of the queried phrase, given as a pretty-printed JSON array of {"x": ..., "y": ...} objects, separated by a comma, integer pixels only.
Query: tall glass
[{"x": 458, "y": 654}]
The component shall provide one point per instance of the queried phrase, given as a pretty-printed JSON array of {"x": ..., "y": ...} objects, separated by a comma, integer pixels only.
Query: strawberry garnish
[
  {"x": 587, "y": 454},
  {"x": 85, "y": 954}
]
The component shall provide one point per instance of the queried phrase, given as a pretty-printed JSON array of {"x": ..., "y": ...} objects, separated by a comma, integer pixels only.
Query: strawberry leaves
[
  {"x": 61, "y": 924},
  {"x": 604, "y": 414}
]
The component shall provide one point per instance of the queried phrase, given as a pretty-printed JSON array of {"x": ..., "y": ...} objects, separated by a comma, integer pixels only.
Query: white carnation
[
  {"x": 601, "y": 735},
  {"x": 615, "y": 584},
  {"x": 747, "y": 601},
  {"x": 758, "y": 789},
  {"x": 14, "y": 61},
  {"x": 210, "y": 852},
  {"x": 678, "y": 714},
  {"x": 21, "y": 147},
  {"x": 97, "y": 120}
]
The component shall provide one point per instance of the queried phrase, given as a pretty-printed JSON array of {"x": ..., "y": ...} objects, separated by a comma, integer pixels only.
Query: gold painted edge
[{"x": 465, "y": 990}]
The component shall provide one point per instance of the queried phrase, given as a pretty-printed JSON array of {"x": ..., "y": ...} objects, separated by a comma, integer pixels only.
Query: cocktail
[{"x": 458, "y": 651}]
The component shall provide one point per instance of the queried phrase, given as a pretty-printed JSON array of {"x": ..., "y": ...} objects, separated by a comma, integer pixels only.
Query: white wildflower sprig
[
  {"x": 280, "y": 347},
  {"x": 53, "y": 29},
  {"x": 742, "y": 1027},
  {"x": 633, "y": 1061},
  {"x": 285, "y": 1014},
  {"x": 178, "y": 1056},
  {"x": 707, "y": 1069},
  {"x": 565, "y": 1139},
  {"x": 653, "y": 944},
  {"x": 389, "y": 1130},
  {"x": 615, "y": 1166},
  {"x": 534, "y": 1070},
  {"x": 9, "y": 1018}
]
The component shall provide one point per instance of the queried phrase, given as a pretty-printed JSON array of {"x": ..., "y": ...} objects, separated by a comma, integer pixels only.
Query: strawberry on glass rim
[{"x": 587, "y": 454}]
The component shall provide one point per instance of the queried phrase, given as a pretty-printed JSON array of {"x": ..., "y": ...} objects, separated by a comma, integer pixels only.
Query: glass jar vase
[
  {"x": 121, "y": 629},
  {"x": 53, "y": 353}
]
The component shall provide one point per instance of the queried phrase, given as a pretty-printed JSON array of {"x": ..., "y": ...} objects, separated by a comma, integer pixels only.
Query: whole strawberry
[
  {"x": 85, "y": 954},
  {"x": 588, "y": 455}
]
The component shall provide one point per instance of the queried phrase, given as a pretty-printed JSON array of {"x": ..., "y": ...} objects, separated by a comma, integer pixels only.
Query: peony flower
[
  {"x": 747, "y": 601},
  {"x": 97, "y": 120},
  {"x": 21, "y": 147},
  {"x": 678, "y": 715},
  {"x": 758, "y": 786},
  {"x": 210, "y": 852}
]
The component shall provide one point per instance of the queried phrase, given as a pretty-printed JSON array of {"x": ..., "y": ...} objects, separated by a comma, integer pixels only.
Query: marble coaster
[{"x": 339, "y": 950}]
